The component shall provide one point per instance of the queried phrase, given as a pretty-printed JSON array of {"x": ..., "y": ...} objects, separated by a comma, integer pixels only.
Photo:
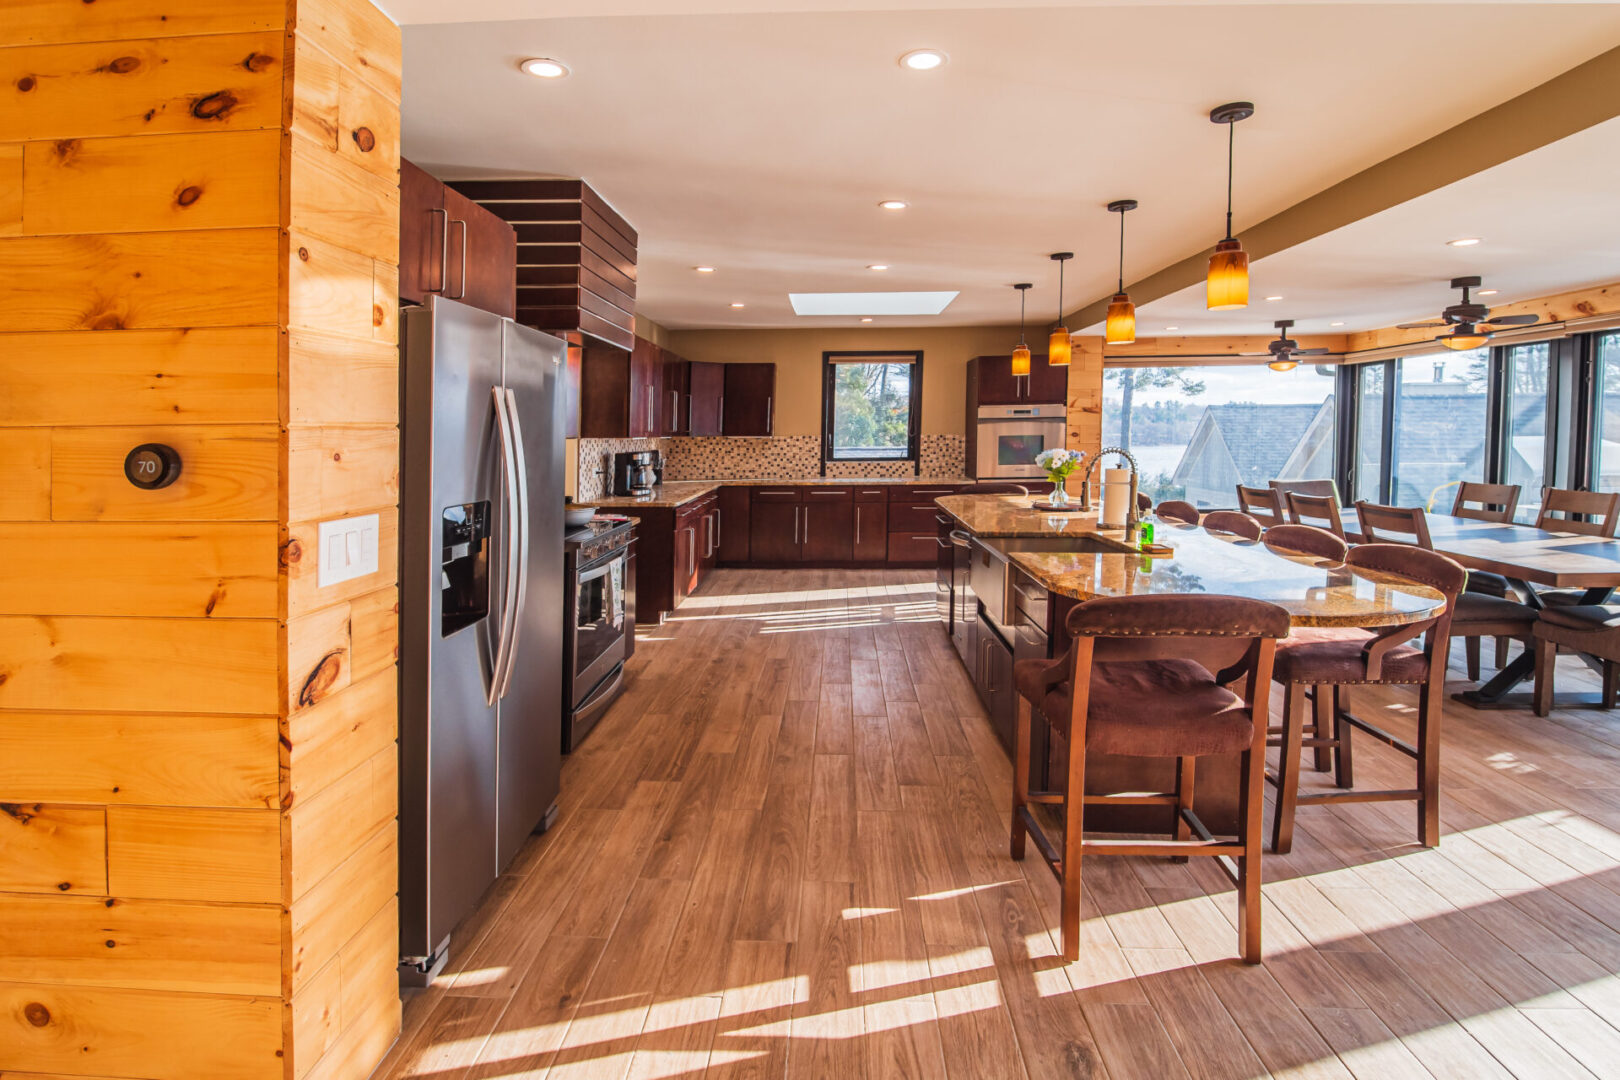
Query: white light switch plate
[{"x": 348, "y": 549}]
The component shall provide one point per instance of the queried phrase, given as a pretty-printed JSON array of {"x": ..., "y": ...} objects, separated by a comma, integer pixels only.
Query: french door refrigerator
[{"x": 481, "y": 601}]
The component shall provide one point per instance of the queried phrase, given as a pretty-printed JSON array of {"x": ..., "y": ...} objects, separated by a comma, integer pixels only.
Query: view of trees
[
  {"x": 871, "y": 410},
  {"x": 1159, "y": 423}
]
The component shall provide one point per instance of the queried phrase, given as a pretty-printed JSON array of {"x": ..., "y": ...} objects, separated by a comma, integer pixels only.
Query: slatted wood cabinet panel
[{"x": 199, "y": 212}]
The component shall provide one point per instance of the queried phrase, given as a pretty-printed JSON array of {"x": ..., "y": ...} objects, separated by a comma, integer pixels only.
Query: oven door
[
  {"x": 599, "y": 627},
  {"x": 1007, "y": 448}
]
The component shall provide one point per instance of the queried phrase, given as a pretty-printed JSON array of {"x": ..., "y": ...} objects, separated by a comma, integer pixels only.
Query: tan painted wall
[{"x": 797, "y": 356}]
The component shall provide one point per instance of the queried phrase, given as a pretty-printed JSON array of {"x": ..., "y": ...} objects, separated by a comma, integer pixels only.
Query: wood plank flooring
[{"x": 783, "y": 855}]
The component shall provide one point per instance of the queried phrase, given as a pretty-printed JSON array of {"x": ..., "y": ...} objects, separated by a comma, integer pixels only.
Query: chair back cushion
[
  {"x": 1306, "y": 540},
  {"x": 1230, "y": 521},
  {"x": 998, "y": 487},
  {"x": 1177, "y": 510}
]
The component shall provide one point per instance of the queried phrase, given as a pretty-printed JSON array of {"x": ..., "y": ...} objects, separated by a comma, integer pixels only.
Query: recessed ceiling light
[
  {"x": 878, "y": 266},
  {"x": 1172, "y": 328},
  {"x": 923, "y": 59},
  {"x": 871, "y": 303},
  {"x": 866, "y": 318},
  {"x": 894, "y": 204},
  {"x": 1466, "y": 241},
  {"x": 1486, "y": 292},
  {"x": 737, "y": 304},
  {"x": 1335, "y": 324},
  {"x": 704, "y": 269},
  {"x": 543, "y": 67}
]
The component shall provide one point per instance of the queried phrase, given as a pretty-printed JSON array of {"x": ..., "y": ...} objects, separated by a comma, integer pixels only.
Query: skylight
[{"x": 871, "y": 303}]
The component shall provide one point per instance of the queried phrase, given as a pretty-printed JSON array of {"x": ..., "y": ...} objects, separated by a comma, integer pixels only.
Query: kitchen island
[{"x": 1017, "y": 571}]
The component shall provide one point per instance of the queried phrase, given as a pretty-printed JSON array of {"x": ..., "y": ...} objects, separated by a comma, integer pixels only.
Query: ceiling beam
[
  {"x": 1581, "y": 97},
  {"x": 1593, "y": 302},
  {"x": 1249, "y": 346}
]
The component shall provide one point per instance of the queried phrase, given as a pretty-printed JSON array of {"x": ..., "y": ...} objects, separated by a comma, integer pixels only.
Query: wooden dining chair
[
  {"x": 1590, "y": 513},
  {"x": 1592, "y": 629},
  {"x": 1306, "y": 540},
  {"x": 1178, "y": 510},
  {"x": 1393, "y": 524},
  {"x": 1321, "y": 511},
  {"x": 1233, "y": 524},
  {"x": 1486, "y": 502},
  {"x": 1326, "y": 489},
  {"x": 1261, "y": 503},
  {"x": 1330, "y": 661},
  {"x": 1127, "y": 688}
]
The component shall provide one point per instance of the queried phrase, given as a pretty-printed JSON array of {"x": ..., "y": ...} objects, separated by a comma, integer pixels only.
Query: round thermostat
[{"x": 152, "y": 466}]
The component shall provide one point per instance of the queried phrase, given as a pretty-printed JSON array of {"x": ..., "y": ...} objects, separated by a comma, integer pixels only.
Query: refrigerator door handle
[
  {"x": 503, "y": 648},
  {"x": 520, "y": 456}
]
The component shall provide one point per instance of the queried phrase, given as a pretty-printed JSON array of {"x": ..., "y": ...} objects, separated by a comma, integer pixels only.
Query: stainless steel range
[{"x": 599, "y": 561}]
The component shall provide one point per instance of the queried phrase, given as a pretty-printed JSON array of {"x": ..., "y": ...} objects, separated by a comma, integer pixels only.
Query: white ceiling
[{"x": 760, "y": 144}]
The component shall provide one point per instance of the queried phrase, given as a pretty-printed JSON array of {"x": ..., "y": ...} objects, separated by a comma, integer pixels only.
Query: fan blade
[
  {"x": 1418, "y": 325},
  {"x": 1513, "y": 320},
  {"x": 1311, "y": 352},
  {"x": 1254, "y": 354}
]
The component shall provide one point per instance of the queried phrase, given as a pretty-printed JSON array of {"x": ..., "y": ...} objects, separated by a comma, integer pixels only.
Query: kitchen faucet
[{"x": 1131, "y": 515}]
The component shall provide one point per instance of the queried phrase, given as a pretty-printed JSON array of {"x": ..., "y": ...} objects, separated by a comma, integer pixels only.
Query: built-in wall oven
[
  {"x": 599, "y": 620},
  {"x": 1009, "y": 436}
]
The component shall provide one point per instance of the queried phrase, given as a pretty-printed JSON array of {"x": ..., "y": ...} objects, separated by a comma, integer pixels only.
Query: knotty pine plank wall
[
  {"x": 1085, "y": 397},
  {"x": 198, "y": 235}
]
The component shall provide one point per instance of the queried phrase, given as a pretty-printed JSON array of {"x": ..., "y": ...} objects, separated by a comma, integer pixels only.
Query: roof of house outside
[{"x": 1260, "y": 438}]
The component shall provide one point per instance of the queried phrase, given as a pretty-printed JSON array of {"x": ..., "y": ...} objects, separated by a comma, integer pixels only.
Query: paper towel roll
[{"x": 1116, "y": 497}]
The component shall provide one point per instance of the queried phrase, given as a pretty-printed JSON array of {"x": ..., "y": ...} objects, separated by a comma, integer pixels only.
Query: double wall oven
[
  {"x": 1007, "y": 438},
  {"x": 600, "y": 616}
]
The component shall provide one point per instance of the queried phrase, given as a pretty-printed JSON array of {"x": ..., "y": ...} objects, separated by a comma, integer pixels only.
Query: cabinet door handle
[
  {"x": 857, "y": 524},
  {"x": 768, "y": 401},
  {"x": 691, "y": 551},
  {"x": 652, "y": 413},
  {"x": 444, "y": 250},
  {"x": 722, "y": 414},
  {"x": 674, "y": 409},
  {"x": 717, "y": 528},
  {"x": 463, "y": 224},
  {"x": 807, "y": 525},
  {"x": 689, "y": 414}
]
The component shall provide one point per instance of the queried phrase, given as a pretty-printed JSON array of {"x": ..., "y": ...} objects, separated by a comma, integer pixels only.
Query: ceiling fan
[
  {"x": 1471, "y": 323},
  {"x": 1284, "y": 349}
]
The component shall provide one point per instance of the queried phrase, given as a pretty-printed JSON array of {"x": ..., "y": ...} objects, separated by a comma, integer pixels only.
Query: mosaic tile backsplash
[{"x": 785, "y": 456}]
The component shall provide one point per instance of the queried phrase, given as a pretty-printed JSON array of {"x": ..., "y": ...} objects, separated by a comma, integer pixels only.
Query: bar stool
[
  {"x": 1177, "y": 510},
  {"x": 1321, "y": 511},
  {"x": 1264, "y": 504},
  {"x": 1306, "y": 540},
  {"x": 1233, "y": 523},
  {"x": 1331, "y": 659},
  {"x": 994, "y": 487},
  {"x": 1125, "y": 687}
]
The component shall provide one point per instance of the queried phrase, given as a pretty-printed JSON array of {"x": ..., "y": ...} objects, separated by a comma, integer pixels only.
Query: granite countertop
[
  {"x": 1315, "y": 592},
  {"x": 680, "y": 492}
]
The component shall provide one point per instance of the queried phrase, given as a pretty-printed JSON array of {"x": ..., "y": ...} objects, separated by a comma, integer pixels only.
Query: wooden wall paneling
[
  {"x": 141, "y": 944},
  {"x": 368, "y": 126},
  {"x": 333, "y": 471},
  {"x": 26, "y": 494},
  {"x": 139, "y": 759},
  {"x": 338, "y": 734},
  {"x": 353, "y": 209},
  {"x": 340, "y": 380},
  {"x": 139, "y": 665},
  {"x": 156, "y": 86},
  {"x": 299, "y": 557},
  {"x": 45, "y": 22},
  {"x": 321, "y": 828},
  {"x": 357, "y": 984},
  {"x": 192, "y": 853},
  {"x": 315, "y": 1018},
  {"x": 221, "y": 375},
  {"x": 114, "y": 281},
  {"x": 222, "y": 570},
  {"x": 330, "y": 914},
  {"x": 319, "y": 657},
  {"x": 330, "y": 289},
  {"x": 197, "y": 180},
  {"x": 374, "y": 631},
  {"x": 140, "y": 1033},
  {"x": 360, "y": 32},
  {"x": 53, "y": 849},
  {"x": 11, "y": 189},
  {"x": 385, "y": 303},
  {"x": 1084, "y": 409},
  {"x": 228, "y": 473}
]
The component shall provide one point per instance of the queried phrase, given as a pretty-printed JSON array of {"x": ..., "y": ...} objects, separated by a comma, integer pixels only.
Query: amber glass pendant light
[
  {"x": 1120, "y": 329},
  {"x": 1227, "y": 286},
  {"x": 1057, "y": 348},
  {"x": 1020, "y": 355}
]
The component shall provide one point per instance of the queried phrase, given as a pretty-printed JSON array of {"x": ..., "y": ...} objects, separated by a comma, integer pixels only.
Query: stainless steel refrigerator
[{"x": 481, "y": 600}]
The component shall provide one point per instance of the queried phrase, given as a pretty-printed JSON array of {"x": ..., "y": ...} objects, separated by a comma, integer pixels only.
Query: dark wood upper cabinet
[
  {"x": 991, "y": 382},
  {"x": 618, "y": 392},
  {"x": 706, "y": 390},
  {"x": 450, "y": 246},
  {"x": 750, "y": 399},
  {"x": 1046, "y": 385},
  {"x": 672, "y": 397}
]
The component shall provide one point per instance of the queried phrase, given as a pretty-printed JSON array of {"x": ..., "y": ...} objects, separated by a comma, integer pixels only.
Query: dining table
[{"x": 1527, "y": 557}]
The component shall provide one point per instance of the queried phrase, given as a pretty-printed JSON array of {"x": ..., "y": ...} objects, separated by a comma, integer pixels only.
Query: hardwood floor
[{"x": 783, "y": 854}]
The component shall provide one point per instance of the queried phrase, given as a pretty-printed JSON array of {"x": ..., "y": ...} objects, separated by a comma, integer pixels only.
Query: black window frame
[{"x": 830, "y": 361}]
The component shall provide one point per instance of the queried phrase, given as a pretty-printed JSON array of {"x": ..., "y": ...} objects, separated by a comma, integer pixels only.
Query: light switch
[{"x": 348, "y": 549}]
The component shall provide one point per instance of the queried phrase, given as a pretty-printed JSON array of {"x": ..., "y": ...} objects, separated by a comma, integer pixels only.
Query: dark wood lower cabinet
[
  {"x": 735, "y": 513},
  {"x": 871, "y": 540},
  {"x": 994, "y": 680},
  {"x": 773, "y": 532},
  {"x": 827, "y": 526}
]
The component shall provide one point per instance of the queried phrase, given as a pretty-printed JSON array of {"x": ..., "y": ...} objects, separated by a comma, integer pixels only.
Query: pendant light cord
[
  {"x": 1022, "y": 295},
  {"x": 1121, "y": 252},
  {"x": 1060, "y": 291},
  {"x": 1231, "y": 137}
]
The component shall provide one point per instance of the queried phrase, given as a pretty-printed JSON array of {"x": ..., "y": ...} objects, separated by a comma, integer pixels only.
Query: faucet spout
[{"x": 1132, "y": 516}]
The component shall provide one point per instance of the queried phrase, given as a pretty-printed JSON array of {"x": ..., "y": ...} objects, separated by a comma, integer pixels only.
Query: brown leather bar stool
[
  {"x": 1178, "y": 510},
  {"x": 994, "y": 487},
  {"x": 1264, "y": 504},
  {"x": 1592, "y": 629},
  {"x": 1125, "y": 687},
  {"x": 1332, "y": 659},
  {"x": 1233, "y": 523},
  {"x": 1306, "y": 540},
  {"x": 1322, "y": 511}
]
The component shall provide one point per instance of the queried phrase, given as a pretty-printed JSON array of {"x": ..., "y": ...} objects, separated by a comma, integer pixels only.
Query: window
[
  {"x": 1528, "y": 367},
  {"x": 1606, "y": 429},
  {"x": 1440, "y": 420},
  {"x": 871, "y": 406},
  {"x": 1370, "y": 433},
  {"x": 1198, "y": 432}
]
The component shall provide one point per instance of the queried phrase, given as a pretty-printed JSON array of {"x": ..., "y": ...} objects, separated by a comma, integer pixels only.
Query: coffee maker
[{"x": 635, "y": 473}]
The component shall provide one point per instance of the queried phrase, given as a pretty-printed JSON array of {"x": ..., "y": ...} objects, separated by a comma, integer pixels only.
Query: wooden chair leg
[
  {"x": 1344, "y": 763},
  {"x": 1074, "y": 808},
  {"x": 1428, "y": 762},
  {"x": 1020, "y": 776},
  {"x": 1322, "y": 725},
  {"x": 1501, "y": 653},
  {"x": 1282, "y": 825},
  {"x": 1185, "y": 774},
  {"x": 1546, "y": 666},
  {"x": 1471, "y": 651},
  {"x": 1251, "y": 803},
  {"x": 1611, "y": 683}
]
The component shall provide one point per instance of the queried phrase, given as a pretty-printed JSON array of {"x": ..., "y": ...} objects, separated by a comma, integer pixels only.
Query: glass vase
[{"x": 1060, "y": 494}]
